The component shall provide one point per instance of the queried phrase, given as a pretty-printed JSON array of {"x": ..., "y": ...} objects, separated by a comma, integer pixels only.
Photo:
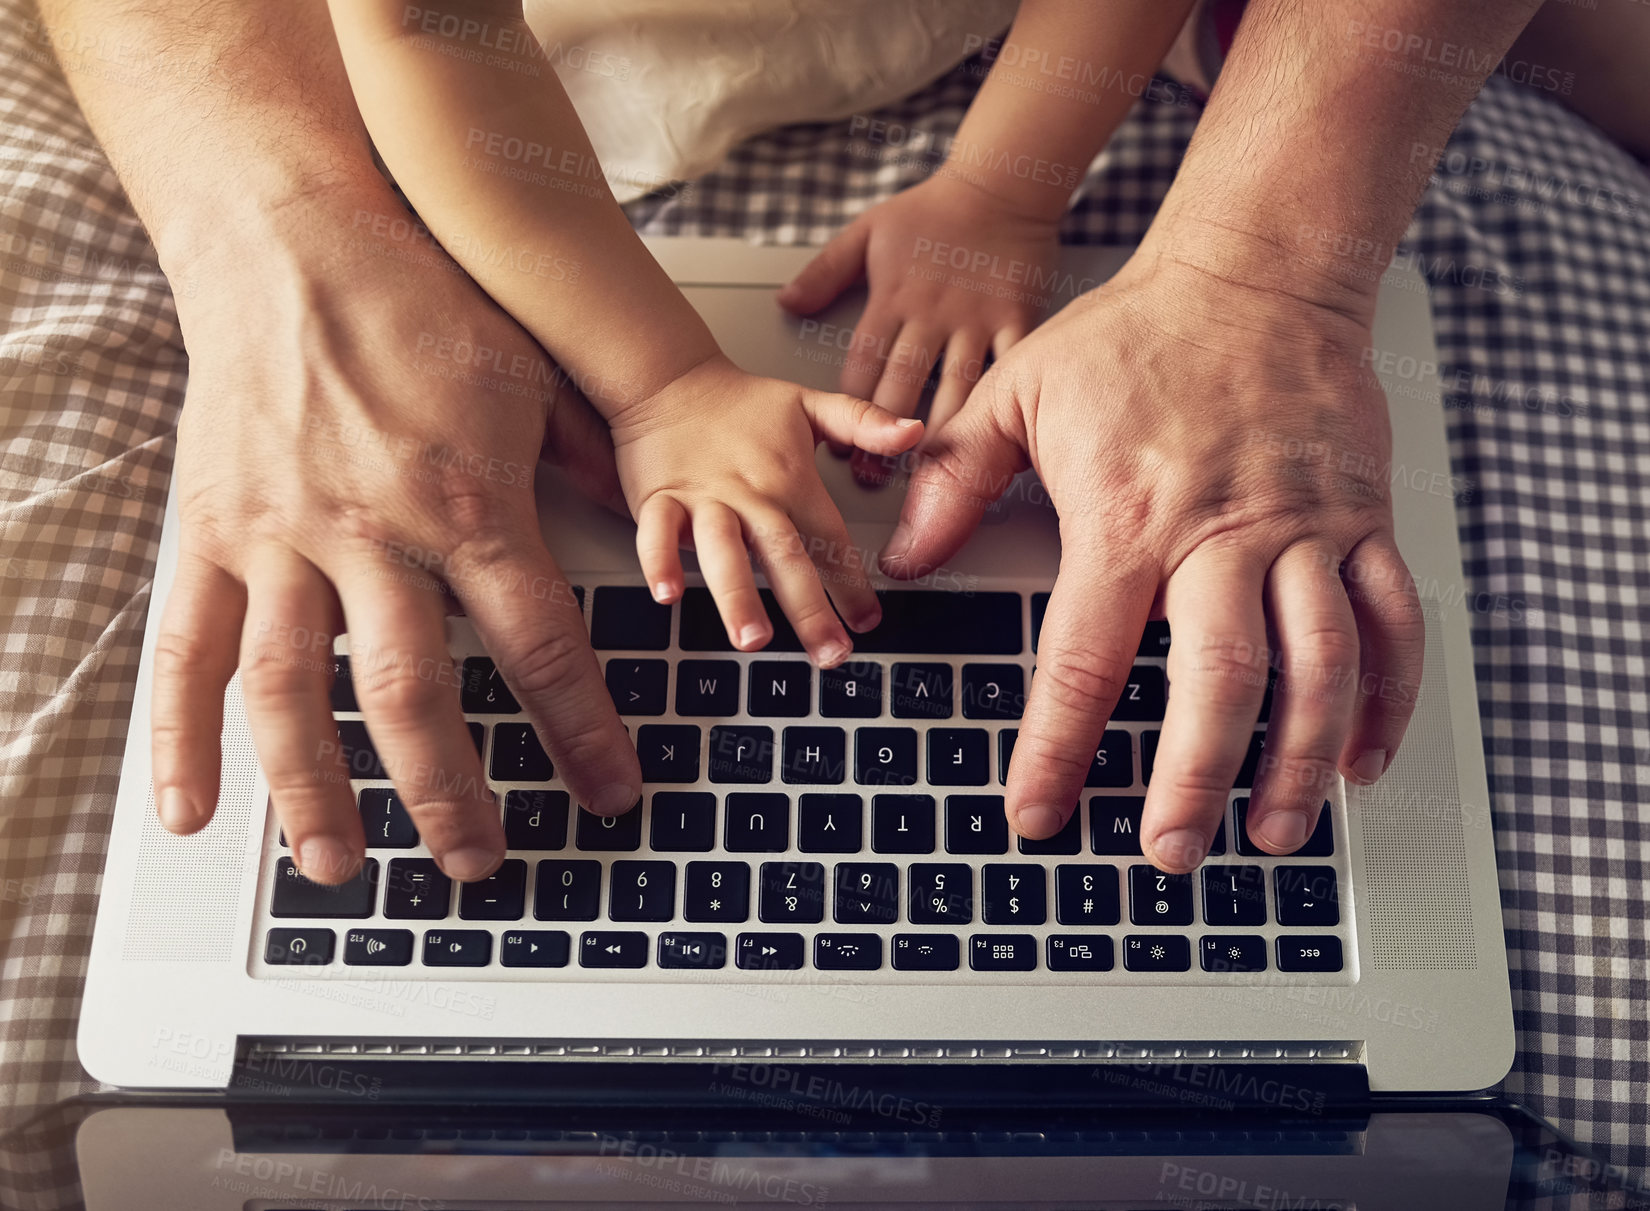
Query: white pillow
[{"x": 666, "y": 87}]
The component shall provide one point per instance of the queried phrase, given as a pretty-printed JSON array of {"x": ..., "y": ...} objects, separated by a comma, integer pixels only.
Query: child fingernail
[
  {"x": 661, "y": 592},
  {"x": 832, "y": 654},
  {"x": 752, "y": 633},
  {"x": 907, "y": 422}
]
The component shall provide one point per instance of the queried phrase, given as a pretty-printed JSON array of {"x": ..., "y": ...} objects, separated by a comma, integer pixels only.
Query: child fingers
[
  {"x": 841, "y": 565},
  {"x": 659, "y": 546},
  {"x": 867, "y": 351},
  {"x": 964, "y": 363},
  {"x": 719, "y": 539},
  {"x": 838, "y": 266},
  {"x": 910, "y": 360},
  {"x": 783, "y": 556},
  {"x": 857, "y": 422}
]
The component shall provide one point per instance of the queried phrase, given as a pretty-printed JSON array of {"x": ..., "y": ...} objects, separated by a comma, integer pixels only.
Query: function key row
[
  {"x": 795, "y": 892},
  {"x": 1228, "y": 954}
]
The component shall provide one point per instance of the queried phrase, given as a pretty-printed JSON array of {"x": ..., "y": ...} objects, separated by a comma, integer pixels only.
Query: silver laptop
[{"x": 869, "y": 908}]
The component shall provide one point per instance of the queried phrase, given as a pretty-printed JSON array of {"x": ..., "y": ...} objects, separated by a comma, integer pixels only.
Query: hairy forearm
[
  {"x": 1063, "y": 79},
  {"x": 215, "y": 115},
  {"x": 493, "y": 156},
  {"x": 1308, "y": 150}
]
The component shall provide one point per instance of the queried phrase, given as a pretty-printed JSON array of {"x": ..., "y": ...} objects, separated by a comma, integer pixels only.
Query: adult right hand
[{"x": 358, "y": 441}]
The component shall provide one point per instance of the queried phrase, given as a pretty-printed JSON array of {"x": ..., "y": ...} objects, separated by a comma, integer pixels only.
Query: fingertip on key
[
  {"x": 1284, "y": 831},
  {"x": 468, "y": 865},
  {"x": 327, "y": 860},
  {"x": 615, "y": 799},
  {"x": 1181, "y": 849},
  {"x": 1038, "y": 822}
]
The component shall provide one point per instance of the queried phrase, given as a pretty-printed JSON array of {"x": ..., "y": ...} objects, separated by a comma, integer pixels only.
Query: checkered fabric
[{"x": 1535, "y": 237}]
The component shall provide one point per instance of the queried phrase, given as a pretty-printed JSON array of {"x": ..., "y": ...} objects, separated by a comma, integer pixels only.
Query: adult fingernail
[
  {"x": 326, "y": 860},
  {"x": 1180, "y": 847},
  {"x": 468, "y": 865},
  {"x": 752, "y": 634},
  {"x": 1369, "y": 766},
  {"x": 1038, "y": 822},
  {"x": 899, "y": 544},
  {"x": 176, "y": 812},
  {"x": 614, "y": 800},
  {"x": 1284, "y": 830}
]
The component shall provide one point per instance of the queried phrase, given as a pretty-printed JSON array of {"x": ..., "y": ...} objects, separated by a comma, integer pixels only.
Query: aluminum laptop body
[{"x": 180, "y": 993}]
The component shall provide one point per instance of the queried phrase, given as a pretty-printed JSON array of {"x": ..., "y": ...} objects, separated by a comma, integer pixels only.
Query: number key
[
  {"x": 1086, "y": 895},
  {"x": 642, "y": 891},
  {"x": 942, "y": 893},
  {"x": 1156, "y": 898}
]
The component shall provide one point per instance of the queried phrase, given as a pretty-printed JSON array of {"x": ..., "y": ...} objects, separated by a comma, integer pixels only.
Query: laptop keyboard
[{"x": 844, "y": 821}]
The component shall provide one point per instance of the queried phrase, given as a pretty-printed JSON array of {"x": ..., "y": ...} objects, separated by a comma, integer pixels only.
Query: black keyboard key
[
  {"x": 707, "y": 687},
  {"x": 814, "y": 755},
  {"x": 1234, "y": 953},
  {"x": 1006, "y": 739},
  {"x": 741, "y": 753},
  {"x": 669, "y": 752},
  {"x": 482, "y": 690},
  {"x": 299, "y": 947},
  {"x": 535, "y": 819},
  {"x": 616, "y": 834},
  {"x": 975, "y": 824},
  {"x": 1148, "y": 754},
  {"x": 851, "y": 691},
  {"x": 1079, "y": 952},
  {"x": 759, "y": 822},
  {"x": 848, "y": 951},
  {"x": 1002, "y": 952},
  {"x": 993, "y": 691},
  {"x": 478, "y": 735},
  {"x": 1069, "y": 840},
  {"x": 533, "y": 948},
  {"x": 296, "y": 896},
  {"x": 867, "y": 893},
  {"x": 1114, "y": 825},
  {"x": 342, "y": 690},
  {"x": 926, "y": 952},
  {"x": 716, "y": 891},
  {"x": 695, "y": 951},
  {"x": 1113, "y": 763},
  {"x": 942, "y": 893},
  {"x": 1154, "y": 641},
  {"x": 613, "y": 948},
  {"x": 385, "y": 821},
  {"x": 642, "y": 891},
  {"x": 1321, "y": 844},
  {"x": 1145, "y": 695},
  {"x": 416, "y": 890},
  {"x": 830, "y": 824},
  {"x": 568, "y": 890},
  {"x": 1157, "y": 952},
  {"x": 945, "y": 624},
  {"x": 1320, "y": 953},
  {"x": 378, "y": 947},
  {"x": 780, "y": 687},
  {"x": 1307, "y": 895},
  {"x": 920, "y": 691},
  {"x": 355, "y": 745},
  {"x": 458, "y": 948},
  {"x": 1156, "y": 898},
  {"x": 1251, "y": 762},
  {"x": 791, "y": 893},
  {"x": 769, "y": 952},
  {"x": 684, "y": 821},
  {"x": 1234, "y": 895},
  {"x": 902, "y": 824},
  {"x": 518, "y": 756},
  {"x": 885, "y": 756},
  {"x": 638, "y": 686},
  {"x": 626, "y": 618},
  {"x": 702, "y": 629},
  {"x": 958, "y": 756},
  {"x": 1086, "y": 895},
  {"x": 1014, "y": 894},
  {"x": 1039, "y": 608},
  {"x": 501, "y": 896}
]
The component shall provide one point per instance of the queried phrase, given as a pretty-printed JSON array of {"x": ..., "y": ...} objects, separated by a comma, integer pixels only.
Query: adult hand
[
  {"x": 1216, "y": 457},
  {"x": 954, "y": 276},
  {"x": 357, "y": 447}
]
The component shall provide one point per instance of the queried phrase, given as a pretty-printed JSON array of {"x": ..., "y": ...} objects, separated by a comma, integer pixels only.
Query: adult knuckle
[
  {"x": 400, "y": 687},
  {"x": 549, "y": 662},
  {"x": 1081, "y": 677}
]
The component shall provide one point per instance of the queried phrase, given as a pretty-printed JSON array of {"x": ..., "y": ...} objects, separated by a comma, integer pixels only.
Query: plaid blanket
[{"x": 1534, "y": 236}]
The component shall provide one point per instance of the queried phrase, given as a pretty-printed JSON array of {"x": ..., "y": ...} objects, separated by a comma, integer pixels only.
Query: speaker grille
[
  {"x": 1417, "y": 904},
  {"x": 186, "y": 892}
]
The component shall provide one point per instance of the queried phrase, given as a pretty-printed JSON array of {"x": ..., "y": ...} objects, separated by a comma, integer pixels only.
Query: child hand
[
  {"x": 723, "y": 461},
  {"x": 950, "y": 269}
]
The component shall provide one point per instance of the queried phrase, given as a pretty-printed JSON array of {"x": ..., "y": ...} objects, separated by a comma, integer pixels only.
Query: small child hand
[
  {"x": 723, "y": 461},
  {"x": 950, "y": 270}
]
